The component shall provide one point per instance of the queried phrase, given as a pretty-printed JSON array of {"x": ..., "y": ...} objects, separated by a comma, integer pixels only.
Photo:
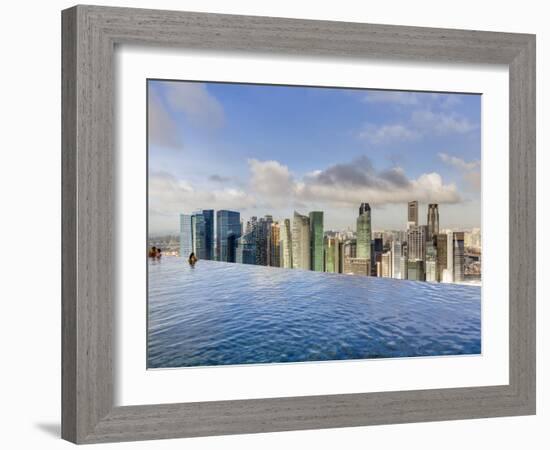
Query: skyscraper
[
  {"x": 228, "y": 228},
  {"x": 412, "y": 216},
  {"x": 316, "y": 240},
  {"x": 246, "y": 249},
  {"x": 458, "y": 256},
  {"x": 286, "y": 245},
  {"x": 433, "y": 221},
  {"x": 364, "y": 232},
  {"x": 447, "y": 275},
  {"x": 263, "y": 240},
  {"x": 332, "y": 260},
  {"x": 275, "y": 242},
  {"x": 198, "y": 227},
  {"x": 415, "y": 270},
  {"x": 186, "y": 235},
  {"x": 386, "y": 265},
  {"x": 430, "y": 266},
  {"x": 396, "y": 258},
  {"x": 208, "y": 215},
  {"x": 416, "y": 242},
  {"x": 441, "y": 255},
  {"x": 300, "y": 242}
]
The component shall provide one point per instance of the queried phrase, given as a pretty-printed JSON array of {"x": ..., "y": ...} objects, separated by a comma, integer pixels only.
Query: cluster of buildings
[{"x": 420, "y": 253}]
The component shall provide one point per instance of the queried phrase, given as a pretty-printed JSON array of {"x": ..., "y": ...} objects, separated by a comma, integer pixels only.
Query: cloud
[
  {"x": 170, "y": 196},
  {"x": 441, "y": 123},
  {"x": 162, "y": 128},
  {"x": 193, "y": 99},
  {"x": 471, "y": 170},
  {"x": 219, "y": 178},
  {"x": 387, "y": 133},
  {"x": 358, "y": 181},
  {"x": 270, "y": 178}
]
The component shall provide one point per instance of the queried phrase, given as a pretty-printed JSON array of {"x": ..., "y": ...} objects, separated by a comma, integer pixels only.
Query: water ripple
[{"x": 219, "y": 313}]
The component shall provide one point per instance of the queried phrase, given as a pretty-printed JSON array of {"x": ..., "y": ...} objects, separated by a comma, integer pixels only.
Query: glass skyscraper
[
  {"x": 317, "y": 240},
  {"x": 300, "y": 242},
  {"x": 186, "y": 235},
  {"x": 286, "y": 245},
  {"x": 412, "y": 212},
  {"x": 433, "y": 221},
  {"x": 208, "y": 215},
  {"x": 228, "y": 229},
  {"x": 364, "y": 232},
  {"x": 198, "y": 225},
  {"x": 246, "y": 249},
  {"x": 458, "y": 256}
]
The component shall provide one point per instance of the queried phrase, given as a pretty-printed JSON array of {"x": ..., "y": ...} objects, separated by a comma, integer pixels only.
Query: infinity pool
[{"x": 221, "y": 313}]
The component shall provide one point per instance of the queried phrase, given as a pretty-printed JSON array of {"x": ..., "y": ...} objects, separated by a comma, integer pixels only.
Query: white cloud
[
  {"x": 270, "y": 178},
  {"x": 387, "y": 133},
  {"x": 471, "y": 170},
  {"x": 163, "y": 130},
  {"x": 441, "y": 123},
  {"x": 194, "y": 100}
]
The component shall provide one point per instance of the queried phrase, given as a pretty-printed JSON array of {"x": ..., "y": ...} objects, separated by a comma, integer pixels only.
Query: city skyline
[
  {"x": 420, "y": 252},
  {"x": 273, "y": 150}
]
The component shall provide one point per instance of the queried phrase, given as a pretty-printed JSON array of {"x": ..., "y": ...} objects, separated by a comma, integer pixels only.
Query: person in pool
[
  {"x": 192, "y": 259},
  {"x": 153, "y": 252},
  {"x": 159, "y": 253}
]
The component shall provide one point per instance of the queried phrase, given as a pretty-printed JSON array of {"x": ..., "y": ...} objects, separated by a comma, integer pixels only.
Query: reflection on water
[{"x": 221, "y": 313}]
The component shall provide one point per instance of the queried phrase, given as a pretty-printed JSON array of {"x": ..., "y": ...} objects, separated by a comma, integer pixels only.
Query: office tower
[
  {"x": 447, "y": 275},
  {"x": 441, "y": 251},
  {"x": 246, "y": 249},
  {"x": 198, "y": 228},
  {"x": 377, "y": 248},
  {"x": 396, "y": 258},
  {"x": 275, "y": 242},
  {"x": 364, "y": 232},
  {"x": 316, "y": 235},
  {"x": 251, "y": 224},
  {"x": 263, "y": 240},
  {"x": 228, "y": 227},
  {"x": 286, "y": 245},
  {"x": 412, "y": 216},
  {"x": 404, "y": 259},
  {"x": 433, "y": 220},
  {"x": 458, "y": 256},
  {"x": 300, "y": 242},
  {"x": 415, "y": 270},
  {"x": 186, "y": 236},
  {"x": 386, "y": 265},
  {"x": 472, "y": 239},
  {"x": 208, "y": 215},
  {"x": 340, "y": 256},
  {"x": 332, "y": 256},
  {"x": 416, "y": 242},
  {"x": 430, "y": 266}
]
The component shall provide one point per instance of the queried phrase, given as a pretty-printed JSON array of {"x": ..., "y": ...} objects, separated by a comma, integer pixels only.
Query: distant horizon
[{"x": 269, "y": 150}]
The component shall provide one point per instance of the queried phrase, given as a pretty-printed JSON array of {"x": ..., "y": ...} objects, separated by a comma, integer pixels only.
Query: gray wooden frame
[{"x": 89, "y": 36}]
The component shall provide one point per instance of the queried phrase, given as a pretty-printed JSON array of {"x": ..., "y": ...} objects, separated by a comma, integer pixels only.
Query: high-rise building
[
  {"x": 412, "y": 212},
  {"x": 416, "y": 242},
  {"x": 433, "y": 221},
  {"x": 377, "y": 248},
  {"x": 186, "y": 235},
  {"x": 430, "y": 266},
  {"x": 386, "y": 265},
  {"x": 263, "y": 240},
  {"x": 441, "y": 251},
  {"x": 458, "y": 256},
  {"x": 415, "y": 270},
  {"x": 228, "y": 228},
  {"x": 198, "y": 227},
  {"x": 208, "y": 215},
  {"x": 286, "y": 245},
  {"x": 332, "y": 254},
  {"x": 316, "y": 235},
  {"x": 447, "y": 276},
  {"x": 396, "y": 256},
  {"x": 275, "y": 242},
  {"x": 364, "y": 232},
  {"x": 246, "y": 248},
  {"x": 300, "y": 242}
]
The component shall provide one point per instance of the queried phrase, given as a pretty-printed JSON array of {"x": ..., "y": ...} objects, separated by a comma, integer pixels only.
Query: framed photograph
[{"x": 278, "y": 224}]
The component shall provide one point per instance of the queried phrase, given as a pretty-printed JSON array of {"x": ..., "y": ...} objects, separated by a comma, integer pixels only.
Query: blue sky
[{"x": 274, "y": 149}]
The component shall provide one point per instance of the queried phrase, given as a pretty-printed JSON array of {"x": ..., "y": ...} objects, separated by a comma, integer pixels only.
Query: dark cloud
[{"x": 219, "y": 178}]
